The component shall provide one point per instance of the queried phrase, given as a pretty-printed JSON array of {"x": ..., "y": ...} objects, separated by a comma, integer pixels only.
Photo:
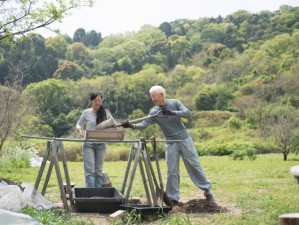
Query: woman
[{"x": 93, "y": 153}]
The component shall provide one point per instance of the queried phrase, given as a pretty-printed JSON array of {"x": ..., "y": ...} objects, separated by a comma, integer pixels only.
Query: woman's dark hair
[{"x": 101, "y": 113}]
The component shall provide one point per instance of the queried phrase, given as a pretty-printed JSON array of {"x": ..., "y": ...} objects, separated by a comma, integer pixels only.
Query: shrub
[
  {"x": 19, "y": 156},
  {"x": 236, "y": 150},
  {"x": 210, "y": 118},
  {"x": 220, "y": 149},
  {"x": 264, "y": 146},
  {"x": 213, "y": 149},
  {"x": 251, "y": 122},
  {"x": 243, "y": 151},
  {"x": 234, "y": 123}
]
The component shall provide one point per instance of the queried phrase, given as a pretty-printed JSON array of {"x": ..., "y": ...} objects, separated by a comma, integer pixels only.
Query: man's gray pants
[{"x": 190, "y": 158}]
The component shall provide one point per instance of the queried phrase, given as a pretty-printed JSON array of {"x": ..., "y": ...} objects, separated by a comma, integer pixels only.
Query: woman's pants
[{"x": 93, "y": 158}]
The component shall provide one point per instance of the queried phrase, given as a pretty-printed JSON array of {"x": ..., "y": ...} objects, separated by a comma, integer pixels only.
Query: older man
[{"x": 174, "y": 129}]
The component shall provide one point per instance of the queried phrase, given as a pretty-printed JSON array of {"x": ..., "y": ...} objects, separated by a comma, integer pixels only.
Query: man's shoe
[
  {"x": 174, "y": 202},
  {"x": 209, "y": 196}
]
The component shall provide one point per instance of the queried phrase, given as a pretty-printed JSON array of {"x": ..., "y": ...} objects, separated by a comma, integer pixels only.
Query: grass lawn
[{"x": 257, "y": 192}]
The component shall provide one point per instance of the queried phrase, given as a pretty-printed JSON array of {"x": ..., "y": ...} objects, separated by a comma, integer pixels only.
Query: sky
[{"x": 122, "y": 16}]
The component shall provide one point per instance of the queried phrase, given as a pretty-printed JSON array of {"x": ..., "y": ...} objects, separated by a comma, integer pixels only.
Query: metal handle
[{"x": 141, "y": 119}]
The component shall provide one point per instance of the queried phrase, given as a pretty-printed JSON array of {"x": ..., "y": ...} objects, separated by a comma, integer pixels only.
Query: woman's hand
[{"x": 80, "y": 132}]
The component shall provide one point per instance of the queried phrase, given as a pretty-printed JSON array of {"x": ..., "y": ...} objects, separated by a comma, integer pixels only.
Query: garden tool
[
  {"x": 142, "y": 118},
  {"x": 165, "y": 197}
]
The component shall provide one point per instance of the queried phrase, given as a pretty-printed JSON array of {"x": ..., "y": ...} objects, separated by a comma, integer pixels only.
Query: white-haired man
[{"x": 174, "y": 129}]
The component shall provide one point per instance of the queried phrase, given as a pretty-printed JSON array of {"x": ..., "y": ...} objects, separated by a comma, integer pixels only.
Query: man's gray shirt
[{"x": 172, "y": 126}]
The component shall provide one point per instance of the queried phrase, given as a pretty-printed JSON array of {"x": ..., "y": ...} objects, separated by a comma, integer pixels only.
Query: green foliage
[
  {"x": 295, "y": 141},
  {"x": 49, "y": 97},
  {"x": 234, "y": 123},
  {"x": 210, "y": 118},
  {"x": 236, "y": 150},
  {"x": 264, "y": 146},
  {"x": 18, "y": 156},
  {"x": 219, "y": 149},
  {"x": 294, "y": 101},
  {"x": 69, "y": 70},
  {"x": 244, "y": 63},
  {"x": 132, "y": 218},
  {"x": 251, "y": 122},
  {"x": 261, "y": 189},
  {"x": 177, "y": 219},
  {"x": 242, "y": 152},
  {"x": 38, "y": 14},
  {"x": 54, "y": 216},
  {"x": 78, "y": 53},
  {"x": 217, "y": 98}
]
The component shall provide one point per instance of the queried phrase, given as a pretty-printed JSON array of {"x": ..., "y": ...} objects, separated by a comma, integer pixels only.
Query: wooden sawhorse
[{"x": 53, "y": 147}]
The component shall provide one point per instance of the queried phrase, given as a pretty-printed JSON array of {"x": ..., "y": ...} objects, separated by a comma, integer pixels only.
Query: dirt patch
[
  {"x": 186, "y": 206},
  {"x": 198, "y": 206}
]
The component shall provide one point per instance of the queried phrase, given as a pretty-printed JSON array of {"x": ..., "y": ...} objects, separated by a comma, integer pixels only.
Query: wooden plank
[
  {"x": 58, "y": 174},
  {"x": 104, "y": 135},
  {"x": 289, "y": 219},
  {"x": 42, "y": 167}
]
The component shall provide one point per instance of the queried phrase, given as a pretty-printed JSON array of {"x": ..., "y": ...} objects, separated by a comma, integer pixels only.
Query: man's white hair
[{"x": 157, "y": 89}]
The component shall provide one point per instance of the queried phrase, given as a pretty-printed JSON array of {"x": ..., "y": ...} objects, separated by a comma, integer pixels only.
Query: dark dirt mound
[{"x": 198, "y": 206}]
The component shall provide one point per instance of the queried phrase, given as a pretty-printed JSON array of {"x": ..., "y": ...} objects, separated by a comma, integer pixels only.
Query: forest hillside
[{"x": 238, "y": 74}]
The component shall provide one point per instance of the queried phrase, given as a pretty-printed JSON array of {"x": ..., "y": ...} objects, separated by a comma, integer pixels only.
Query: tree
[
  {"x": 13, "y": 110},
  {"x": 78, "y": 52},
  {"x": 21, "y": 17},
  {"x": 93, "y": 38},
  {"x": 217, "y": 98},
  {"x": 180, "y": 50},
  {"x": 166, "y": 28},
  {"x": 282, "y": 124},
  {"x": 80, "y": 36},
  {"x": 68, "y": 70},
  {"x": 56, "y": 48},
  {"x": 50, "y": 98}
]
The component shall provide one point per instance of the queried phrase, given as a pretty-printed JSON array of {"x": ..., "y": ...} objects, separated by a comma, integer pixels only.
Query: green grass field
[{"x": 255, "y": 192}]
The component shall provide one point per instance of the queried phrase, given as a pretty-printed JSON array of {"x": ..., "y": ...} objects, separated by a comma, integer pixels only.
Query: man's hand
[
  {"x": 127, "y": 124},
  {"x": 167, "y": 112}
]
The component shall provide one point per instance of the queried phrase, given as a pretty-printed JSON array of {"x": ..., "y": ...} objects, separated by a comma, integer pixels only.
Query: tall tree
[
  {"x": 93, "y": 38},
  {"x": 29, "y": 51},
  {"x": 12, "y": 110},
  {"x": 166, "y": 28},
  {"x": 282, "y": 123},
  {"x": 50, "y": 98},
  {"x": 80, "y": 36}
]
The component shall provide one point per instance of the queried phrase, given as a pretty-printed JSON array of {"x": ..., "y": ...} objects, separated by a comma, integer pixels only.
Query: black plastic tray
[
  {"x": 147, "y": 209},
  {"x": 101, "y": 200}
]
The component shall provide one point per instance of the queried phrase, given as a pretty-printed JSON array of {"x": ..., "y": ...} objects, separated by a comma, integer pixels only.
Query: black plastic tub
[
  {"x": 147, "y": 209},
  {"x": 100, "y": 200}
]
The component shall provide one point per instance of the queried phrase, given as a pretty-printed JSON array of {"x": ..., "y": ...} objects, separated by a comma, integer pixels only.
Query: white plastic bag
[
  {"x": 11, "y": 198},
  {"x": 34, "y": 198},
  {"x": 12, "y": 218}
]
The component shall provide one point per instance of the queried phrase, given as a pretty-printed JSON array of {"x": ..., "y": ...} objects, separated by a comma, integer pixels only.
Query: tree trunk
[{"x": 285, "y": 156}]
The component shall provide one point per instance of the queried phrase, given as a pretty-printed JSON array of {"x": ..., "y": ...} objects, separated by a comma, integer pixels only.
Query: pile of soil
[{"x": 198, "y": 206}]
